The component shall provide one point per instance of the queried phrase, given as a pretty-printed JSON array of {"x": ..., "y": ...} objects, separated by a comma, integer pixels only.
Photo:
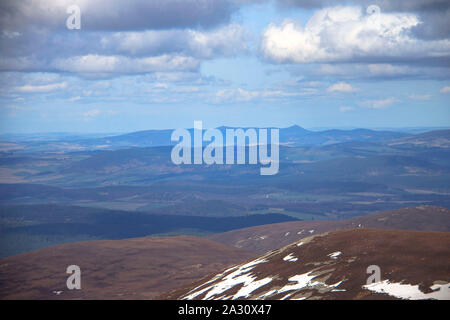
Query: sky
[{"x": 156, "y": 64}]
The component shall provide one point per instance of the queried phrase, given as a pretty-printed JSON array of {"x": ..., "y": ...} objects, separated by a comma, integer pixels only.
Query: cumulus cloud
[
  {"x": 410, "y": 5},
  {"x": 116, "y": 14},
  {"x": 341, "y": 87},
  {"x": 224, "y": 41},
  {"x": 179, "y": 49},
  {"x": 434, "y": 13},
  {"x": 347, "y": 34},
  {"x": 97, "y": 64},
  {"x": 117, "y": 37}
]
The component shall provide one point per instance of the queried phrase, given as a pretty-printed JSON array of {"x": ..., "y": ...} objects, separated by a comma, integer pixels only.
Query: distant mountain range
[
  {"x": 291, "y": 136},
  {"x": 437, "y": 139},
  {"x": 294, "y": 135}
]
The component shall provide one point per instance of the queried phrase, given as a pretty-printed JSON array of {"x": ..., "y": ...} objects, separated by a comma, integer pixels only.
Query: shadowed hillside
[{"x": 138, "y": 268}]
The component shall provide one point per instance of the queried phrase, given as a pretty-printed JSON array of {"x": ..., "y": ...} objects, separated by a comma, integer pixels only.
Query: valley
[{"x": 118, "y": 207}]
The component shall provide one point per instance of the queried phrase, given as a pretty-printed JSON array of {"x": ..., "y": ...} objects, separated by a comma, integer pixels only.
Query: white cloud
[
  {"x": 42, "y": 88},
  {"x": 127, "y": 52},
  {"x": 435, "y": 14},
  {"x": 314, "y": 83},
  {"x": 113, "y": 33},
  {"x": 224, "y": 41},
  {"x": 73, "y": 99},
  {"x": 379, "y": 104},
  {"x": 420, "y": 96},
  {"x": 346, "y": 108},
  {"x": 445, "y": 89},
  {"x": 235, "y": 95},
  {"x": 160, "y": 85},
  {"x": 157, "y": 87},
  {"x": 188, "y": 89},
  {"x": 89, "y": 115},
  {"x": 352, "y": 71},
  {"x": 242, "y": 95},
  {"x": 341, "y": 87},
  {"x": 10, "y": 34},
  {"x": 98, "y": 64},
  {"x": 346, "y": 34},
  {"x": 282, "y": 94},
  {"x": 385, "y": 69}
]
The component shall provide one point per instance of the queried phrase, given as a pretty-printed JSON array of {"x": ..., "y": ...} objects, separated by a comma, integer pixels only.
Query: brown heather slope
[
  {"x": 261, "y": 239},
  {"x": 334, "y": 266},
  {"x": 114, "y": 269}
]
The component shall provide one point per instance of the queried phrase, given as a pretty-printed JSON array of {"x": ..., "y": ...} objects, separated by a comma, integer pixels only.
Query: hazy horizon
[{"x": 316, "y": 129}]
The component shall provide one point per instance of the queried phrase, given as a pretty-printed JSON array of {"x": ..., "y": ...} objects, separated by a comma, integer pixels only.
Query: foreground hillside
[
  {"x": 263, "y": 238},
  {"x": 120, "y": 269},
  {"x": 413, "y": 264}
]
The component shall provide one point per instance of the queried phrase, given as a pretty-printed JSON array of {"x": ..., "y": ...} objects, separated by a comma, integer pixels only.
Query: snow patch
[
  {"x": 302, "y": 298},
  {"x": 334, "y": 255},
  {"x": 290, "y": 257},
  {"x": 410, "y": 292},
  {"x": 286, "y": 296},
  {"x": 304, "y": 281},
  {"x": 267, "y": 294},
  {"x": 241, "y": 276}
]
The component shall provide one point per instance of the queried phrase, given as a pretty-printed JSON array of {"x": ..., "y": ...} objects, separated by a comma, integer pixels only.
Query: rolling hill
[
  {"x": 412, "y": 264},
  {"x": 31, "y": 227},
  {"x": 431, "y": 139},
  {"x": 294, "y": 135},
  {"x": 139, "y": 268},
  {"x": 263, "y": 238}
]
